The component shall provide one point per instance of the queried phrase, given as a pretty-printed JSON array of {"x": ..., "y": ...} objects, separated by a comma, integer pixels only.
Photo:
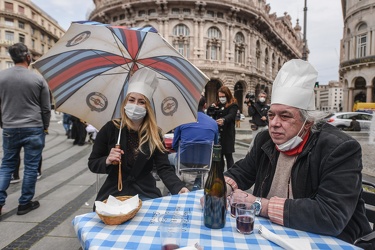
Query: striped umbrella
[{"x": 89, "y": 67}]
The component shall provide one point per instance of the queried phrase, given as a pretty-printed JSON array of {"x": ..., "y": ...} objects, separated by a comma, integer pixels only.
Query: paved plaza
[{"x": 67, "y": 188}]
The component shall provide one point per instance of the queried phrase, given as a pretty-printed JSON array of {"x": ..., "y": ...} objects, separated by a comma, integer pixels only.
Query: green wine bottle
[{"x": 215, "y": 201}]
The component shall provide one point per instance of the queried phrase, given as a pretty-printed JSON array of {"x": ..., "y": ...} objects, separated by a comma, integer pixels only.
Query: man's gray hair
[{"x": 312, "y": 115}]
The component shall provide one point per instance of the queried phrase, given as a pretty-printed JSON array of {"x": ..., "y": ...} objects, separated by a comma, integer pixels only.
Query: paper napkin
[
  {"x": 116, "y": 207},
  {"x": 286, "y": 243}
]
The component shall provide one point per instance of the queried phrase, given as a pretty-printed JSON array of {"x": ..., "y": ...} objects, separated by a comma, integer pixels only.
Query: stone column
[
  {"x": 196, "y": 40},
  {"x": 350, "y": 99},
  {"x": 161, "y": 26},
  {"x": 369, "y": 93},
  {"x": 227, "y": 42},
  {"x": 372, "y": 52},
  {"x": 201, "y": 40},
  {"x": 166, "y": 29},
  {"x": 353, "y": 51}
]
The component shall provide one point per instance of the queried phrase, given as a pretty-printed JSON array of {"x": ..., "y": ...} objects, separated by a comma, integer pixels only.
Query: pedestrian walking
[
  {"x": 67, "y": 124},
  {"x": 25, "y": 116}
]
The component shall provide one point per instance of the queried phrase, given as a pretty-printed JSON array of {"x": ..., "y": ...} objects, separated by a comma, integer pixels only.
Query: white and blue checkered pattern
[{"x": 142, "y": 231}]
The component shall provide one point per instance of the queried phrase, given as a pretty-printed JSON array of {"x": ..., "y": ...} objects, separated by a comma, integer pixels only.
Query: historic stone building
[
  {"x": 329, "y": 97},
  {"x": 357, "y": 57},
  {"x": 23, "y": 21},
  {"x": 239, "y": 43}
]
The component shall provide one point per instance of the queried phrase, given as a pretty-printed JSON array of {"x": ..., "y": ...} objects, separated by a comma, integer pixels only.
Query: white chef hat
[
  {"x": 294, "y": 85},
  {"x": 144, "y": 81}
]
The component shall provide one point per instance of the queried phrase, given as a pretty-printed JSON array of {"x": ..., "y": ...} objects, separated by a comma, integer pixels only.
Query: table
[{"x": 142, "y": 231}]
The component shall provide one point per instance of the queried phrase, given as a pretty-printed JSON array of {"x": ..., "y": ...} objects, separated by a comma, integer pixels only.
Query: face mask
[
  {"x": 262, "y": 99},
  {"x": 135, "y": 112},
  {"x": 223, "y": 100},
  {"x": 293, "y": 142}
]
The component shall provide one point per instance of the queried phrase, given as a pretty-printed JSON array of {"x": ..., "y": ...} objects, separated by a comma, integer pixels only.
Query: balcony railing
[{"x": 363, "y": 60}]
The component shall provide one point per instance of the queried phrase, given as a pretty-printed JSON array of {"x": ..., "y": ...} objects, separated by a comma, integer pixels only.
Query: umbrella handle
[
  {"x": 116, "y": 162},
  {"x": 119, "y": 184}
]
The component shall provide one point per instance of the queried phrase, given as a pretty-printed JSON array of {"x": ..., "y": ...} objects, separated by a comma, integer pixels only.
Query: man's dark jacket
[
  {"x": 139, "y": 179},
  {"x": 326, "y": 182}
]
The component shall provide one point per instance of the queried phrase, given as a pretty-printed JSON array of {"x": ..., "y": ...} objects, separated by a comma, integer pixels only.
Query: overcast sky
[{"x": 324, "y": 26}]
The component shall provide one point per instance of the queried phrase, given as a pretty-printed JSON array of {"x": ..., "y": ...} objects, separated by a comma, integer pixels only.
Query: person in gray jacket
[
  {"x": 306, "y": 174},
  {"x": 25, "y": 116}
]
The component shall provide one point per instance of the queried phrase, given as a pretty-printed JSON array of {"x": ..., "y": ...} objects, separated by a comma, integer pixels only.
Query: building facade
[
  {"x": 238, "y": 44},
  {"x": 357, "y": 55},
  {"x": 23, "y": 21},
  {"x": 330, "y": 97}
]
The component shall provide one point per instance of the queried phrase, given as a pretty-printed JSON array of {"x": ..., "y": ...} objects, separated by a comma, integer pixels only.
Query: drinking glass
[
  {"x": 170, "y": 231},
  {"x": 234, "y": 199},
  {"x": 245, "y": 215}
]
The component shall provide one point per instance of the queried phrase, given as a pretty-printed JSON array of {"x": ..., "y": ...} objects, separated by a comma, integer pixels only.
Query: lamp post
[{"x": 304, "y": 52}]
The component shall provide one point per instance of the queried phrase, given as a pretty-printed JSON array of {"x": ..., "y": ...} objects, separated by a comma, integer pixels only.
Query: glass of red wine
[
  {"x": 234, "y": 199},
  {"x": 170, "y": 227},
  {"x": 245, "y": 215}
]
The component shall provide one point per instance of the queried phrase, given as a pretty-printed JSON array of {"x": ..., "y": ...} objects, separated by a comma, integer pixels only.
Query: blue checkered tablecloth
[{"x": 142, "y": 231}]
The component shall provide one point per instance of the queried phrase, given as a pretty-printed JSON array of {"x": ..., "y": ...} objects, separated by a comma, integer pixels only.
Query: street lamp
[{"x": 304, "y": 52}]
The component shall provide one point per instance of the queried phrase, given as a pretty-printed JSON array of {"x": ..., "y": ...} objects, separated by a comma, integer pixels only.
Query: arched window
[
  {"x": 181, "y": 39},
  {"x": 213, "y": 48},
  {"x": 181, "y": 30},
  {"x": 239, "y": 55},
  {"x": 362, "y": 40}
]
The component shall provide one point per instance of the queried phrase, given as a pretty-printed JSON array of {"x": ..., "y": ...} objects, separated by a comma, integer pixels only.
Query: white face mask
[
  {"x": 135, "y": 112},
  {"x": 293, "y": 142},
  {"x": 262, "y": 99},
  {"x": 223, "y": 100}
]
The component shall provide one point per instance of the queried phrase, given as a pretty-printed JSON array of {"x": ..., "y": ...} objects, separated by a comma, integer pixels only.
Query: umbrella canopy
[{"x": 89, "y": 68}]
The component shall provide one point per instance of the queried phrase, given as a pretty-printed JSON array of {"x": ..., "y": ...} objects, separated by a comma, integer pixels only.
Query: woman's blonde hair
[{"x": 149, "y": 131}]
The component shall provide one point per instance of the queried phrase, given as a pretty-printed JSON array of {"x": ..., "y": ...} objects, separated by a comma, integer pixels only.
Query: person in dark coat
[
  {"x": 79, "y": 132},
  {"x": 354, "y": 125},
  {"x": 305, "y": 173},
  {"x": 129, "y": 167},
  {"x": 224, "y": 112}
]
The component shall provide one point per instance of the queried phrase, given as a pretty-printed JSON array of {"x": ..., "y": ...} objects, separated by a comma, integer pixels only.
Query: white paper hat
[
  {"x": 294, "y": 85},
  {"x": 144, "y": 81}
]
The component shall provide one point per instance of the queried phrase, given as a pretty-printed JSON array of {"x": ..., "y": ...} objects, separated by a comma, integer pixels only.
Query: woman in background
[{"x": 224, "y": 112}]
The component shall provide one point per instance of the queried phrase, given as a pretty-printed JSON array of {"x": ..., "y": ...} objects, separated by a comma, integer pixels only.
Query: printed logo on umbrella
[
  {"x": 97, "y": 101},
  {"x": 80, "y": 38},
  {"x": 169, "y": 106}
]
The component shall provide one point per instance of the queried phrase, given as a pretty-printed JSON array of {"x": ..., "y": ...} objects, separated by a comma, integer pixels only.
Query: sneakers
[
  {"x": 24, "y": 209},
  {"x": 39, "y": 176},
  {"x": 13, "y": 180}
]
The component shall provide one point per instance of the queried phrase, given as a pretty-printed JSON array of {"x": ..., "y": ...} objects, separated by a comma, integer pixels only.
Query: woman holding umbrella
[{"x": 127, "y": 148}]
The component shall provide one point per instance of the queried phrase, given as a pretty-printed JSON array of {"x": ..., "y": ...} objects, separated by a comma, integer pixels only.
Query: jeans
[{"x": 32, "y": 140}]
